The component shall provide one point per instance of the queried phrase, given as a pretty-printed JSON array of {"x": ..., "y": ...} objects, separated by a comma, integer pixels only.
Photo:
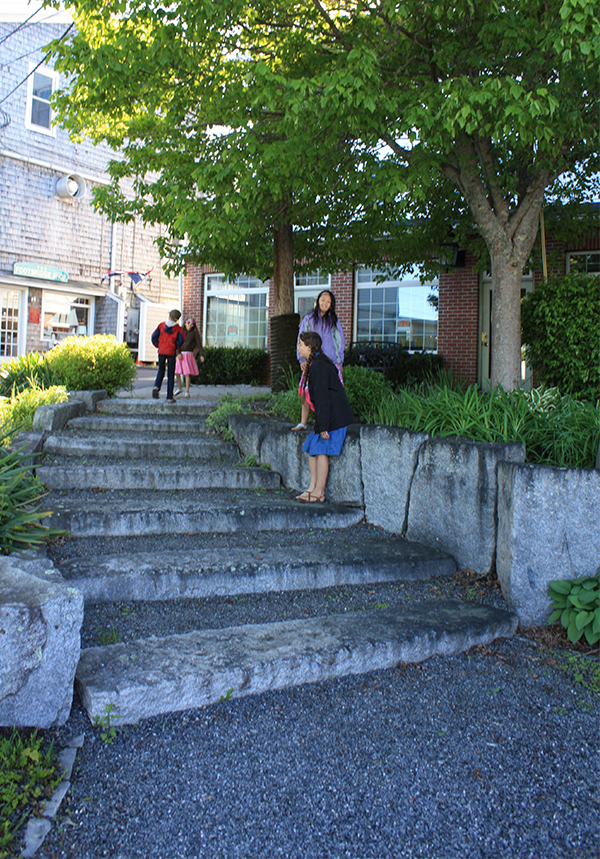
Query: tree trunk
[
  {"x": 283, "y": 270},
  {"x": 506, "y": 323},
  {"x": 284, "y": 322}
]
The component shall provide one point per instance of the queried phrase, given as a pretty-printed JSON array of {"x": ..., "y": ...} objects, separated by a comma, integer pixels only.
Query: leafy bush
[
  {"x": 366, "y": 390},
  {"x": 92, "y": 363},
  {"x": 556, "y": 430},
  {"x": 560, "y": 327},
  {"x": 232, "y": 366},
  {"x": 20, "y": 494},
  {"x": 17, "y": 411},
  {"x": 28, "y": 776},
  {"x": 577, "y": 607},
  {"x": 397, "y": 364},
  {"x": 25, "y": 371}
]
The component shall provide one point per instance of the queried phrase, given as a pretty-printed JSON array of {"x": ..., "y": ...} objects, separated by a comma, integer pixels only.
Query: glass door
[{"x": 11, "y": 301}]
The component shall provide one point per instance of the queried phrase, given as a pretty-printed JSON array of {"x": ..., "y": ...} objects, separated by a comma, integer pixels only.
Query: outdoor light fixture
[{"x": 71, "y": 187}]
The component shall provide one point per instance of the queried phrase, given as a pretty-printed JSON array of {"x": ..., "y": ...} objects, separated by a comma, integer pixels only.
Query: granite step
[
  {"x": 116, "y": 423},
  {"x": 209, "y": 447},
  {"x": 145, "y": 407},
  {"x": 154, "y": 676},
  {"x": 174, "y": 475},
  {"x": 126, "y": 513},
  {"x": 210, "y": 572}
]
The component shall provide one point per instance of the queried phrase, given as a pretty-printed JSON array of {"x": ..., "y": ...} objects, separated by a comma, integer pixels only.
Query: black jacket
[{"x": 332, "y": 409}]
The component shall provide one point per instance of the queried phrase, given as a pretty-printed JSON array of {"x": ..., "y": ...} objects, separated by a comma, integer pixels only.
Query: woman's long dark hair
[{"x": 330, "y": 319}]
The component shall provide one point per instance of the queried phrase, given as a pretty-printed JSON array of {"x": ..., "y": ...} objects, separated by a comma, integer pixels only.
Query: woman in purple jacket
[{"x": 323, "y": 320}]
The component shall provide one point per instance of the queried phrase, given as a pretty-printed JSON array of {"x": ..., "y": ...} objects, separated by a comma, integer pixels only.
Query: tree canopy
[{"x": 376, "y": 130}]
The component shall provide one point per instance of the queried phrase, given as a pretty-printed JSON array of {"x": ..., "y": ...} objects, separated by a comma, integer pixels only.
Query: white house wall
[{"x": 36, "y": 226}]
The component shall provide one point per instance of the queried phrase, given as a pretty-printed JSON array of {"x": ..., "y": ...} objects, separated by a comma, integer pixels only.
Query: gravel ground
[{"x": 492, "y": 753}]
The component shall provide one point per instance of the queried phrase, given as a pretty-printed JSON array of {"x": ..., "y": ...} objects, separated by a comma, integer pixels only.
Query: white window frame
[
  {"x": 22, "y": 319},
  {"x": 320, "y": 283},
  {"x": 230, "y": 289},
  {"x": 49, "y": 72},
  {"x": 572, "y": 254},
  {"x": 361, "y": 283}
]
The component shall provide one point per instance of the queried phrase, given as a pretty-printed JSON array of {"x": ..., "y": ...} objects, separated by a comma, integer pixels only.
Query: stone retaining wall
[
  {"x": 479, "y": 502},
  {"x": 40, "y": 622}
]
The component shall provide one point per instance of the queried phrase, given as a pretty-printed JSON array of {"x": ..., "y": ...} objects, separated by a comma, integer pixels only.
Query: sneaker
[
  {"x": 186, "y": 395},
  {"x": 155, "y": 393},
  {"x": 177, "y": 393}
]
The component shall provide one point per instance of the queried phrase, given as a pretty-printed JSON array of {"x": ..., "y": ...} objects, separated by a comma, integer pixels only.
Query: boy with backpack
[{"x": 168, "y": 338}]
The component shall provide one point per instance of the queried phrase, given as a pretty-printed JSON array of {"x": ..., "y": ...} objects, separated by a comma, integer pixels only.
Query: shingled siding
[{"x": 39, "y": 227}]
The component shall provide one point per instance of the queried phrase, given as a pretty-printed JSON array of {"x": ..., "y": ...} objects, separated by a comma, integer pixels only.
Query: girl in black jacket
[{"x": 332, "y": 414}]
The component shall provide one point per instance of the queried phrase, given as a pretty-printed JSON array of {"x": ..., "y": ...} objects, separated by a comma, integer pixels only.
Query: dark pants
[{"x": 169, "y": 360}]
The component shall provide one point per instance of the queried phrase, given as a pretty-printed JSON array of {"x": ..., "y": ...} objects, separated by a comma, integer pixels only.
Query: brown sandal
[{"x": 310, "y": 497}]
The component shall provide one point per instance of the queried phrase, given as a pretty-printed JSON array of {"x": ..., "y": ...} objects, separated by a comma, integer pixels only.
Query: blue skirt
[{"x": 315, "y": 445}]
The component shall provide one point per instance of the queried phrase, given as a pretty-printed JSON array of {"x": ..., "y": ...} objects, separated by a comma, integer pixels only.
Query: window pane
[
  {"x": 40, "y": 113},
  {"x": 42, "y": 86},
  {"x": 237, "y": 320}
]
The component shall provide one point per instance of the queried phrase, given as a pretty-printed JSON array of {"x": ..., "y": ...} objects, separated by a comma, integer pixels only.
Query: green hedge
[
  {"x": 397, "y": 364},
  {"x": 561, "y": 329},
  {"x": 92, "y": 363},
  {"x": 232, "y": 366},
  {"x": 77, "y": 363}
]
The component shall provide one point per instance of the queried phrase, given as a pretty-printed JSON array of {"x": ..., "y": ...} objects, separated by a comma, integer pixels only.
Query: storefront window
[
  {"x": 64, "y": 315},
  {"x": 396, "y": 311},
  {"x": 306, "y": 289},
  {"x": 236, "y": 313}
]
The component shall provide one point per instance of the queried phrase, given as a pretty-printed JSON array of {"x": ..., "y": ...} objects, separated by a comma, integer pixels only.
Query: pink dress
[{"x": 186, "y": 365}]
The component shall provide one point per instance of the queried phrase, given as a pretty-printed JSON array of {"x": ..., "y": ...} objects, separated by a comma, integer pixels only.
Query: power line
[
  {"x": 41, "y": 62},
  {"x": 21, "y": 25}
]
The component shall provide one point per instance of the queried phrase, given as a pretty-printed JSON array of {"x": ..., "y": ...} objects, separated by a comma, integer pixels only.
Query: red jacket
[{"x": 168, "y": 338}]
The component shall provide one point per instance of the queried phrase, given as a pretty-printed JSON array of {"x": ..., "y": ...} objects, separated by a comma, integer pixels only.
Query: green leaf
[
  {"x": 583, "y": 618},
  {"x": 560, "y": 586}
]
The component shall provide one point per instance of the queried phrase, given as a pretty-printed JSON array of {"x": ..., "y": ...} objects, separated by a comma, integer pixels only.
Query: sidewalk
[{"x": 142, "y": 388}]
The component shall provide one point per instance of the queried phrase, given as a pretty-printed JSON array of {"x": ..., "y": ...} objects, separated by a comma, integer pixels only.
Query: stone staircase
[{"x": 127, "y": 479}]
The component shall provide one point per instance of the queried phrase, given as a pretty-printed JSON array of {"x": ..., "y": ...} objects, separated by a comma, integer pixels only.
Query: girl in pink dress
[{"x": 186, "y": 359}]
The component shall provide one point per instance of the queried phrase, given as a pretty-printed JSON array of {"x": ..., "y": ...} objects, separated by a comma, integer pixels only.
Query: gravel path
[{"x": 493, "y": 753}]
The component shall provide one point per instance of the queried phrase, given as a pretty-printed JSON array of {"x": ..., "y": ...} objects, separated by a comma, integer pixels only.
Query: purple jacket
[{"x": 333, "y": 338}]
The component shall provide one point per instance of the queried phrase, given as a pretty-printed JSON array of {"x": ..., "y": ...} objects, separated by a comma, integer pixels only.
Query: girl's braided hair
[{"x": 313, "y": 340}]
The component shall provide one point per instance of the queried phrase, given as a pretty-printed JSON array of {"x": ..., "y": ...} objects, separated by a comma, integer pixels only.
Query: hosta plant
[{"x": 577, "y": 607}]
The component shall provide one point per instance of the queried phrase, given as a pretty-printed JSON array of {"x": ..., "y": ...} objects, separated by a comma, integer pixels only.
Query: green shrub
[
  {"x": 577, "y": 607},
  {"x": 560, "y": 327},
  {"x": 366, "y": 389},
  {"x": 92, "y": 364},
  {"x": 28, "y": 776},
  {"x": 17, "y": 411},
  {"x": 25, "y": 371},
  {"x": 232, "y": 366},
  {"x": 20, "y": 496},
  {"x": 397, "y": 364},
  {"x": 556, "y": 430}
]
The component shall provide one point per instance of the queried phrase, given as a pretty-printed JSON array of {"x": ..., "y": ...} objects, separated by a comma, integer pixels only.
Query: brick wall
[{"x": 458, "y": 320}]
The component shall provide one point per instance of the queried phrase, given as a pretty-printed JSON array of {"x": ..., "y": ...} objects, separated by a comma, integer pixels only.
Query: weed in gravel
[
  {"x": 28, "y": 776},
  {"x": 108, "y": 636},
  {"x": 108, "y": 731}
]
